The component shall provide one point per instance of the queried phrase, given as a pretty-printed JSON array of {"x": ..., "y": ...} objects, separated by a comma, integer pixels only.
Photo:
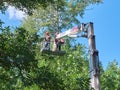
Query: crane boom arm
[{"x": 69, "y": 32}]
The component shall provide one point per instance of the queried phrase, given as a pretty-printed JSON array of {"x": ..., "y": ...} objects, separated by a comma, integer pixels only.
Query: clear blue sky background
[{"x": 106, "y": 17}]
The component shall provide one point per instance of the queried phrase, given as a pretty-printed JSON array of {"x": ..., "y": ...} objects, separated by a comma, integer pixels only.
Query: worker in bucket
[
  {"x": 57, "y": 43},
  {"x": 47, "y": 41}
]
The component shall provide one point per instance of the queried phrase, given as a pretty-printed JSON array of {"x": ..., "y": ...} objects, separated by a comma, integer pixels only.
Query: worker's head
[{"x": 47, "y": 33}]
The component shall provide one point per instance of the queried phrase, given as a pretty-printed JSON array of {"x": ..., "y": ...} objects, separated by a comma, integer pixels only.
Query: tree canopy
[
  {"x": 30, "y": 5},
  {"x": 111, "y": 76},
  {"x": 27, "y": 5},
  {"x": 23, "y": 67}
]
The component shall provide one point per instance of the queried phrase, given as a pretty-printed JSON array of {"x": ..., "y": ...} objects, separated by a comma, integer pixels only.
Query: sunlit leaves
[
  {"x": 110, "y": 77},
  {"x": 21, "y": 64},
  {"x": 27, "y": 6}
]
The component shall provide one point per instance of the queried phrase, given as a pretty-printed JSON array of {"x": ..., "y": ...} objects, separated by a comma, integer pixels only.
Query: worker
[
  {"x": 47, "y": 41},
  {"x": 57, "y": 43}
]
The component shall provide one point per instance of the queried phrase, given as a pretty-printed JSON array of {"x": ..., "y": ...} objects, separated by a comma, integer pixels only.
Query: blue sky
[
  {"x": 106, "y": 19},
  {"x": 105, "y": 16}
]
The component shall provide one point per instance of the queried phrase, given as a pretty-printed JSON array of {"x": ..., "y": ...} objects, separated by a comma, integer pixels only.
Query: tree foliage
[
  {"x": 27, "y": 5},
  {"x": 30, "y": 5},
  {"x": 21, "y": 64},
  {"x": 56, "y": 17},
  {"x": 110, "y": 77}
]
